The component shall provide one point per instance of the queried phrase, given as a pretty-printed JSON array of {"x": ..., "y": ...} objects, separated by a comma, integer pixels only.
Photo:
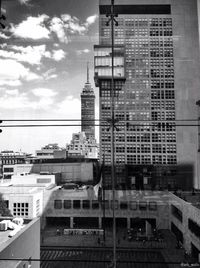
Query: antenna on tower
[{"x": 88, "y": 73}]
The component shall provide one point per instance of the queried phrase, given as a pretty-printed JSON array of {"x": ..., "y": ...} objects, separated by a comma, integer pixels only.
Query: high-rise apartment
[
  {"x": 156, "y": 86},
  {"x": 88, "y": 109}
]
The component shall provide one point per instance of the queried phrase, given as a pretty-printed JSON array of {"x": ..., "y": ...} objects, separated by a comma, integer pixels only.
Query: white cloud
[
  {"x": 58, "y": 55},
  {"x": 43, "y": 26},
  {"x": 32, "y": 28},
  {"x": 50, "y": 74},
  {"x": 83, "y": 51},
  {"x": 24, "y": 2},
  {"x": 14, "y": 100},
  {"x": 13, "y": 92},
  {"x": 70, "y": 107},
  {"x": 30, "y": 54},
  {"x": 91, "y": 19},
  {"x": 13, "y": 71},
  {"x": 57, "y": 26},
  {"x": 44, "y": 92},
  {"x": 3, "y": 36},
  {"x": 14, "y": 83}
]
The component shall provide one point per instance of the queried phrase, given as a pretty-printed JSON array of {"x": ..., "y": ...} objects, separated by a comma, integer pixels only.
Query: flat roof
[
  {"x": 5, "y": 240},
  {"x": 191, "y": 197},
  {"x": 20, "y": 189},
  {"x": 120, "y": 194}
]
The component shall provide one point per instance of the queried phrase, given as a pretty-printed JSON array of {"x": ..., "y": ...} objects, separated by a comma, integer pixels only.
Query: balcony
[{"x": 103, "y": 63}]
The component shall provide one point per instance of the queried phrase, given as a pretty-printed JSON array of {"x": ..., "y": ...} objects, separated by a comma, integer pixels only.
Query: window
[
  {"x": 42, "y": 180},
  {"x": 133, "y": 205},
  {"x": 20, "y": 209},
  {"x": 8, "y": 169},
  {"x": 142, "y": 205},
  {"x": 152, "y": 205},
  {"x": 116, "y": 204},
  {"x": 57, "y": 204},
  {"x": 67, "y": 204},
  {"x": 86, "y": 204},
  {"x": 76, "y": 204},
  {"x": 194, "y": 227},
  {"x": 95, "y": 204},
  {"x": 123, "y": 205},
  {"x": 177, "y": 213},
  {"x": 105, "y": 204}
]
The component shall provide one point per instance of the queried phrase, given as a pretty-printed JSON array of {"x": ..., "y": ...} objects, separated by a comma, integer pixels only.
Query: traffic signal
[{"x": 0, "y": 123}]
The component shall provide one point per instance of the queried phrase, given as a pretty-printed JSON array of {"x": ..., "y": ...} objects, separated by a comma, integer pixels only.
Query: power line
[
  {"x": 70, "y": 120},
  {"x": 96, "y": 125}
]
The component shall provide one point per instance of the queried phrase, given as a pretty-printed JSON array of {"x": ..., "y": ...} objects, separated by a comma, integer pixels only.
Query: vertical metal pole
[
  {"x": 104, "y": 210},
  {"x": 113, "y": 137}
]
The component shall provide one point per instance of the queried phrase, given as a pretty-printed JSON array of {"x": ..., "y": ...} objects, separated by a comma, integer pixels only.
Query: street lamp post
[{"x": 112, "y": 16}]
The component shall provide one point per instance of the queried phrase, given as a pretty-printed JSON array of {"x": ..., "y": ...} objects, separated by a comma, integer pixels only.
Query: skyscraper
[
  {"x": 156, "y": 85},
  {"x": 88, "y": 109}
]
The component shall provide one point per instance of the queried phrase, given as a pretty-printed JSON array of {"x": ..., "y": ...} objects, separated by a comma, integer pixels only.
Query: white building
[{"x": 82, "y": 146}]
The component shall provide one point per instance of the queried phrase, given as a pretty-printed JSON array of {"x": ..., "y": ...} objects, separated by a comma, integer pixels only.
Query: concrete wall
[
  {"x": 69, "y": 171},
  {"x": 188, "y": 211},
  {"x": 24, "y": 245},
  {"x": 161, "y": 214},
  {"x": 32, "y": 179}
]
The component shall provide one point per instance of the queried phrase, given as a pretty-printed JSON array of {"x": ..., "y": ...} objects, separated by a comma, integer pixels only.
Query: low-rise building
[
  {"x": 8, "y": 159},
  {"x": 74, "y": 171},
  {"x": 51, "y": 151}
]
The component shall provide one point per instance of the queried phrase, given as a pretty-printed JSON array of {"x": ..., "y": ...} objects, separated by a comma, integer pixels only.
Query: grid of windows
[
  {"x": 148, "y": 92},
  {"x": 107, "y": 204},
  {"x": 21, "y": 209}
]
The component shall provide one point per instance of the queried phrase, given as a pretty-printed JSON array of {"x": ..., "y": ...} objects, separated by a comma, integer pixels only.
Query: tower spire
[{"x": 87, "y": 72}]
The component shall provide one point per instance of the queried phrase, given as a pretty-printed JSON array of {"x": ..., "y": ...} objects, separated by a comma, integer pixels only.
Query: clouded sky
[{"x": 43, "y": 56}]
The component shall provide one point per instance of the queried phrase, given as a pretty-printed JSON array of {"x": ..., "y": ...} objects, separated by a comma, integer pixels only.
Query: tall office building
[
  {"x": 88, "y": 109},
  {"x": 156, "y": 86}
]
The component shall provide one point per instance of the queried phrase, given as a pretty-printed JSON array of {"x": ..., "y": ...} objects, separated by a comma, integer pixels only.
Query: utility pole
[{"x": 112, "y": 16}]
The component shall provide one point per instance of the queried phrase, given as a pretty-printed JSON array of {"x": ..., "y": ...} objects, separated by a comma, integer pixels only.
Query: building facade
[
  {"x": 82, "y": 146},
  {"x": 50, "y": 151},
  {"x": 8, "y": 159},
  {"x": 156, "y": 85},
  {"x": 88, "y": 109}
]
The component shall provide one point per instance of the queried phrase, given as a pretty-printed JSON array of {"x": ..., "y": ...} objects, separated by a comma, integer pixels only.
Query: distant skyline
[{"x": 44, "y": 50}]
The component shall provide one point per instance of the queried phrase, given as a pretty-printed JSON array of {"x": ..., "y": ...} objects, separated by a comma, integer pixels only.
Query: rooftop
[
  {"x": 191, "y": 197},
  {"x": 20, "y": 189},
  {"x": 4, "y": 235}
]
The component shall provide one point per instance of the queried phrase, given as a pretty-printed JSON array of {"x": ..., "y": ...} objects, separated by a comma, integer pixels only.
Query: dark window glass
[
  {"x": 86, "y": 204},
  {"x": 67, "y": 204},
  {"x": 177, "y": 213},
  {"x": 123, "y": 205},
  {"x": 76, "y": 204},
  {"x": 95, "y": 204},
  {"x": 105, "y": 204},
  {"x": 142, "y": 205},
  {"x": 133, "y": 205},
  {"x": 57, "y": 204},
  {"x": 194, "y": 227},
  {"x": 116, "y": 204},
  {"x": 152, "y": 206}
]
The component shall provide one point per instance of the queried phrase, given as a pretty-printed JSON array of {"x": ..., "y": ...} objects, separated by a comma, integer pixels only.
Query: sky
[{"x": 44, "y": 51}]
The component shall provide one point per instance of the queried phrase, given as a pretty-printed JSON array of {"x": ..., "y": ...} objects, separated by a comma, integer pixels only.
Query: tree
[{"x": 4, "y": 211}]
